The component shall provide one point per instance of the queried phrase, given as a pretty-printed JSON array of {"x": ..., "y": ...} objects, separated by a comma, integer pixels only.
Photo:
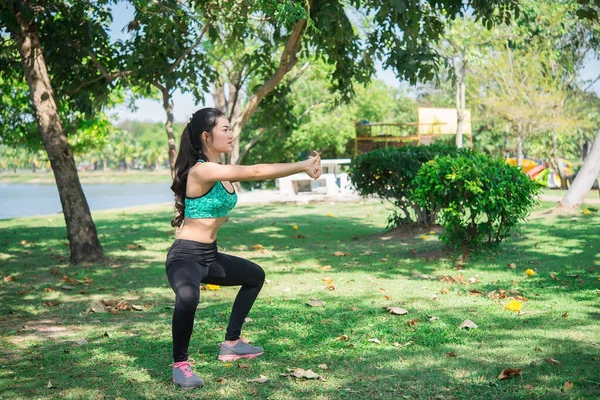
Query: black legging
[{"x": 188, "y": 264}]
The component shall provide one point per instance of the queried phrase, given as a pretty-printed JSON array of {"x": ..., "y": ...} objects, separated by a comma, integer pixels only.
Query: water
[{"x": 19, "y": 200}]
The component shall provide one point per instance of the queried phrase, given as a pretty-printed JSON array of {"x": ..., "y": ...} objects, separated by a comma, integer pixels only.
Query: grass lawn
[{"x": 126, "y": 354}]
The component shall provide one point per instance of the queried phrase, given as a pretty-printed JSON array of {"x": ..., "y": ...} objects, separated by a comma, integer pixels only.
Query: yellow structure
[{"x": 432, "y": 123}]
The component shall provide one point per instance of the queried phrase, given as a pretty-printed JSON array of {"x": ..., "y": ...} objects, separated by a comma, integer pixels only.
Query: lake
[{"x": 21, "y": 200}]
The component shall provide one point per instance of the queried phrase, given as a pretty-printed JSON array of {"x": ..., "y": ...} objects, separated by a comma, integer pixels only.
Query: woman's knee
[
  {"x": 259, "y": 275},
  {"x": 188, "y": 295}
]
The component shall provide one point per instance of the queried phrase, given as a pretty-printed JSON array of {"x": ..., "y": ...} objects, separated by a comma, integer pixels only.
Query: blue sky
[{"x": 151, "y": 110}]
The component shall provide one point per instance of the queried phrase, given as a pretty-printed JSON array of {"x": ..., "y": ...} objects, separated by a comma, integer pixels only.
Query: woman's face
[{"x": 221, "y": 140}]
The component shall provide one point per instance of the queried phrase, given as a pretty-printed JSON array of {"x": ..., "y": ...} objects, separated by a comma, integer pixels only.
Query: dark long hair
[{"x": 190, "y": 151}]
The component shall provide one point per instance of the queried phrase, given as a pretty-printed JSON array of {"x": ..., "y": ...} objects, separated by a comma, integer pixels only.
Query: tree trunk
[
  {"x": 585, "y": 178},
  {"x": 168, "y": 106},
  {"x": 460, "y": 104},
  {"x": 81, "y": 231},
  {"x": 519, "y": 150}
]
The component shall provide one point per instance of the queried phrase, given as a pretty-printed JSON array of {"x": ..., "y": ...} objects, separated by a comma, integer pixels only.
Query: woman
[{"x": 203, "y": 197}]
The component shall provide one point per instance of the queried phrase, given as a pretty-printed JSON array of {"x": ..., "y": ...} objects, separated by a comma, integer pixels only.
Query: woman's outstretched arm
[{"x": 213, "y": 172}]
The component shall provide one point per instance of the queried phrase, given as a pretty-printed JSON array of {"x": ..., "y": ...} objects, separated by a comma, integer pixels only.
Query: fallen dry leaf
[
  {"x": 327, "y": 280},
  {"x": 568, "y": 386},
  {"x": 468, "y": 324},
  {"x": 134, "y": 246},
  {"x": 330, "y": 287},
  {"x": 565, "y": 315},
  {"x": 54, "y": 271},
  {"x": 306, "y": 374},
  {"x": 10, "y": 278},
  {"x": 49, "y": 385},
  {"x": 374, "y": 340},
  {"x": 444, "y": 291},
  {"x": 388, "y": 297},
  {"x": 244, "y": 366},
  {"x": 508, "y": 373},
  {"x": 258, "y": 247},
  {"x": 22, "y": 292},
  {"x": 51, "y": 303},
  {"x": 340, "y": 254},
  {"x": 451, "y": 354},
  {"x": 222, "y": 380},
  {"x": 396, "y": 310},
  {"x": 260, "y": 380},
  {"x": 511, "y": 265},
  {"x": 315, "y": 303},
  {"x": 299, "y": 236},
  {"x": 49, "y": 290},
  {"x": 137, "y": 308},
  {"x": 325, "y": 268},
  {"x": 342, "y": 338},
  {"x": 474, "y": 292},
  {"x": 323, "y": 366},
  {"x": 413, "y": 322},
  {"x": 552, "y": 361}
]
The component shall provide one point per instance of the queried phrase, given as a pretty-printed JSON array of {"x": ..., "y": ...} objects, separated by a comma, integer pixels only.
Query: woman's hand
[{"x": 313, "y": 166}]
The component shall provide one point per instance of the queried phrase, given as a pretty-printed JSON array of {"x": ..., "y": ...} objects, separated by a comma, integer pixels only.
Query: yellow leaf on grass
[
  {"x": 213, "y": 287},
  {"x": 424, "y": 237},
  {"x": 586, "y": 211},
  {"x": 514, "y": 305},
  {"x": 530, "y": 272},
  {"x": 294, "y": 227},
  {"x": 330, "y": 215},
  {"x": 258, "y": 247},
  {"x": 432, "y": 232}
]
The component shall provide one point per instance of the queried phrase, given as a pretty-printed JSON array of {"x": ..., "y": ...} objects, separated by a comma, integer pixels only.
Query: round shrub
[
  {"x": 480, "y": 199},
  {"x": 390, "y": 173}
]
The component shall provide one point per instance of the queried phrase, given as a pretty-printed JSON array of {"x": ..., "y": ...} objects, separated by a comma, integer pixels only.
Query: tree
[
  {"x": 328, "y": 30},
  {"x": 166, "y": 51},
  {"x": 466, "y": 45},
  {"x": 585, "y": 178},
  {"x": 55, "y": 43},
  {"x": 591, "y": 168}
]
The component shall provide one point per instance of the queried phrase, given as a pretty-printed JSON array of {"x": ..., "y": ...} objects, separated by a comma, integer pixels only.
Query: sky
[{"x": 184, "y": 104}]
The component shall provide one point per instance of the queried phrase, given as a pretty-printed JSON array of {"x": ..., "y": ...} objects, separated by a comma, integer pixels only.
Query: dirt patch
[{"x": 40, "y": 330}]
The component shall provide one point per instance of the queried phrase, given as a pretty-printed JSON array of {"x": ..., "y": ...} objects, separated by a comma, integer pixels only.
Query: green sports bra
[{"x": 215, "y": 203}]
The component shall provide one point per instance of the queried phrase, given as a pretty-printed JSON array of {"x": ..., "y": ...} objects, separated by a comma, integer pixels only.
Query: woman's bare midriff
[{"x": 202, "y": 230}]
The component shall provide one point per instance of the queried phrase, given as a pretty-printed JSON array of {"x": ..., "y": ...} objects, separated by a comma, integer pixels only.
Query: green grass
[
  {"x": 592, "y": 194},
  {"x": 128, "y": 353},
  {"x": 89, "y": 177}
]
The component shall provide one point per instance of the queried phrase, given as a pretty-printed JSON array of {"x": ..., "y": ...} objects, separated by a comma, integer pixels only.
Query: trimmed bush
[
  {"x": 390, "y": 173},
  {"x": 480, "y": 199}
]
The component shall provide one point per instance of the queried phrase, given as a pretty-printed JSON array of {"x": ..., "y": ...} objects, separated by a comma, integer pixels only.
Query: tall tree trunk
[
  {"x": 585, "y": 178},
  {"x": 558, "y": 166},
  {"x": 519, "y": 149},
  {"x": 168, "y": 107},
  {"x": 460, "y": 103},
  {"x": 81, "y": 231},
  {"x": 287, "y": 61}
]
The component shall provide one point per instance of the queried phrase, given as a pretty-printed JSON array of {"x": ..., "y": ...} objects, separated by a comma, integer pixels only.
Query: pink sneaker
[
  {"x": 240, "y": 349},
  {"x": 185, "y": 377}
]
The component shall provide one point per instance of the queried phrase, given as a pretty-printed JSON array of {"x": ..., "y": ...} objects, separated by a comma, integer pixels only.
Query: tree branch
[
  {"x": 250, "y": 144},
  {"x": 286, "y": 63},
  {"x": 189, "y": 50}
]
